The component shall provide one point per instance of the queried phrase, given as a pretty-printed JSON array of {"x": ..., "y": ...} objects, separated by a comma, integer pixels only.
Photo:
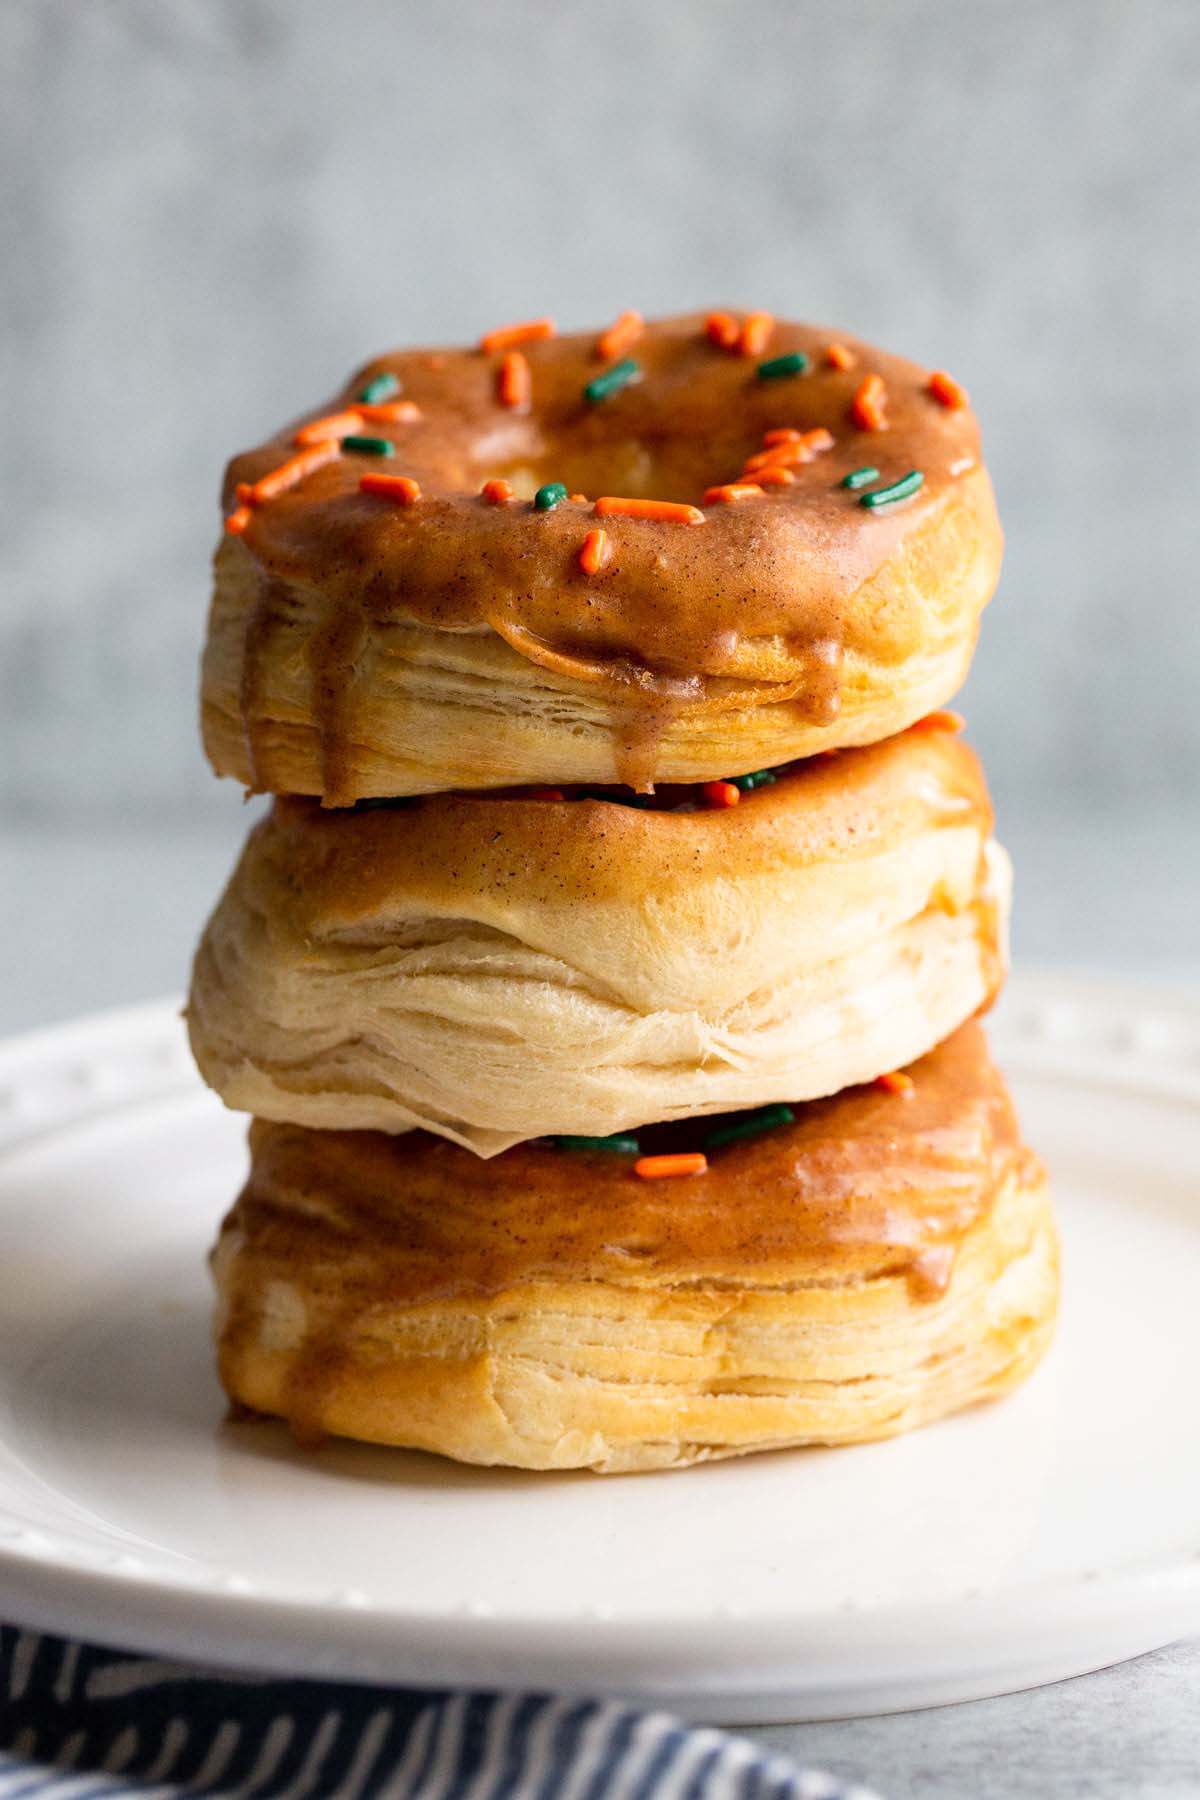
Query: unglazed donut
[
  {"x": 884, "y": 1259},
  {"x": 498, "y": 968},
  {"x": 368, "y": 644}
]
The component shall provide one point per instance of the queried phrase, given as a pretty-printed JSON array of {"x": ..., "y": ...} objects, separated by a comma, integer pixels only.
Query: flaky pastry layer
[
  {"x": 883, "y": 1261},
  {"x": 499, "y": 969},
  {"x": 427, "y": 709}
]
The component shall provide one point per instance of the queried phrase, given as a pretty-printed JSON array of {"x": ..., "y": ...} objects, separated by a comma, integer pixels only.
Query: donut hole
[
  {"x": 632, "y": 473},
  {"x": 640, "y": 467}
]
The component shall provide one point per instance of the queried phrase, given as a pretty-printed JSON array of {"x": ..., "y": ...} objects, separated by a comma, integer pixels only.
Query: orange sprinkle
[
  {"x": 333, "y": 425},
  {"x": 391, "y": 412},
  {"x": 730, "y": 491},
  {"x": 514, "y": 383},
  {"x": 756, "y": 333},
  {"x": 838, "y": 357},
  {"x": 942, "y": 720},
  {"x": 774, "y": 477},
  {"x": 779, "y": 456},
  {"x": 245, "y": 493},
  {"x": 580, "y": 499},
  {"x": 782, "y": 434},
  {"x": 721, "y": 329},
  {"x": 496, "y": 492},
  {"x": 400, "y": 488},
  {"x": 658, "y": 1168},
  {"x": 294, "y": 470},
  {"x": 671, "y": 512},
  {"x": 619, "y": 337},
  {"x": 594, "y": 552},
  {"x": 507, "y": 337},
  {"x": 800, "y": 449},
  {"x": 721, "y": 793},
  {"x": 951, "y": 393},
  {"x": 237, "y": 521},
  {"x": 897, "y": 1082},
  {"x": 867, "y": 407}
]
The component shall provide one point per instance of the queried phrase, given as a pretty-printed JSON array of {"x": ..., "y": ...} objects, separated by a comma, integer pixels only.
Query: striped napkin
[{"x": 78, "y": 1723}]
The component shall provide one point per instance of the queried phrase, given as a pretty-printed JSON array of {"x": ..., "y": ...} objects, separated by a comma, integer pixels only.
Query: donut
[
  {"x": 874, "y": 1262},
  {"x": 495, "y": 967},
  {"x": 737, "y": 543}
]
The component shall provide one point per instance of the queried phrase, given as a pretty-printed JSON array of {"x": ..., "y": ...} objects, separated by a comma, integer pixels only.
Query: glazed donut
[
  {"x": 495, "y": 609},
  {"x": 497, "y": 968},
  {"x": 881, "y": 1260}
]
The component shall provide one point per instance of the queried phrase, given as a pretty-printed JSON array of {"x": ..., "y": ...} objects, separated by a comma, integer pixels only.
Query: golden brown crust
[
  {"x": 500, "y": 968},
  {"x": 359, "y": 649},
  {"x": 879, "y": 1262}
]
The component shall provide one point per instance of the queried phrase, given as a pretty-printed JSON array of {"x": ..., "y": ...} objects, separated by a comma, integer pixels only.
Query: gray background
[{"x": 212, "y": 209}]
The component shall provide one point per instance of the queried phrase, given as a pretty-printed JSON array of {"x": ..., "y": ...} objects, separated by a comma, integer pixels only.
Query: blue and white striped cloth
[{"x": 78, "y": 1723}]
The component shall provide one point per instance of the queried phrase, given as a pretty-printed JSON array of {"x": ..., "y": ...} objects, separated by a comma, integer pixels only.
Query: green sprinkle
[
  {"x": 550, "y": 496},
  {"x": 859, "y": 478},
  {"x": 620, "y": 1146},
  {"x": 747, "y": 783},
  {"x": 776, "y": 367},
  {"x": 369, "y": 446},
  {"x": 612, "y": 380},
  {"x": 765, "y": 1119},
  {"x": 899, "y": 490},
  {"x": 381, "y": 388}
]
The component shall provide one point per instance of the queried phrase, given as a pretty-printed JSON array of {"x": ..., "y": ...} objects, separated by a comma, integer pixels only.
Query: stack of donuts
[{"x": 604, "y": 979}]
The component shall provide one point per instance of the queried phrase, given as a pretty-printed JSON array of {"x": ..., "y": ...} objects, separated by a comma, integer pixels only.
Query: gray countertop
[
  {"x": 1129, "y": 1733},
  {"x": 94, "y": 915}
]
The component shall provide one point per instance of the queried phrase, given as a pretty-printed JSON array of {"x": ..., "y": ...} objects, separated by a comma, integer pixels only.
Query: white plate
[{"x": 1047, "y": 1535}]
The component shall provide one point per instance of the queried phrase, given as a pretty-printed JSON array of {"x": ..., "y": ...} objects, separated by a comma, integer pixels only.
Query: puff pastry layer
[
  {"x": 879, "y": 1262},
  {"x": 498, "y": 969}
]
